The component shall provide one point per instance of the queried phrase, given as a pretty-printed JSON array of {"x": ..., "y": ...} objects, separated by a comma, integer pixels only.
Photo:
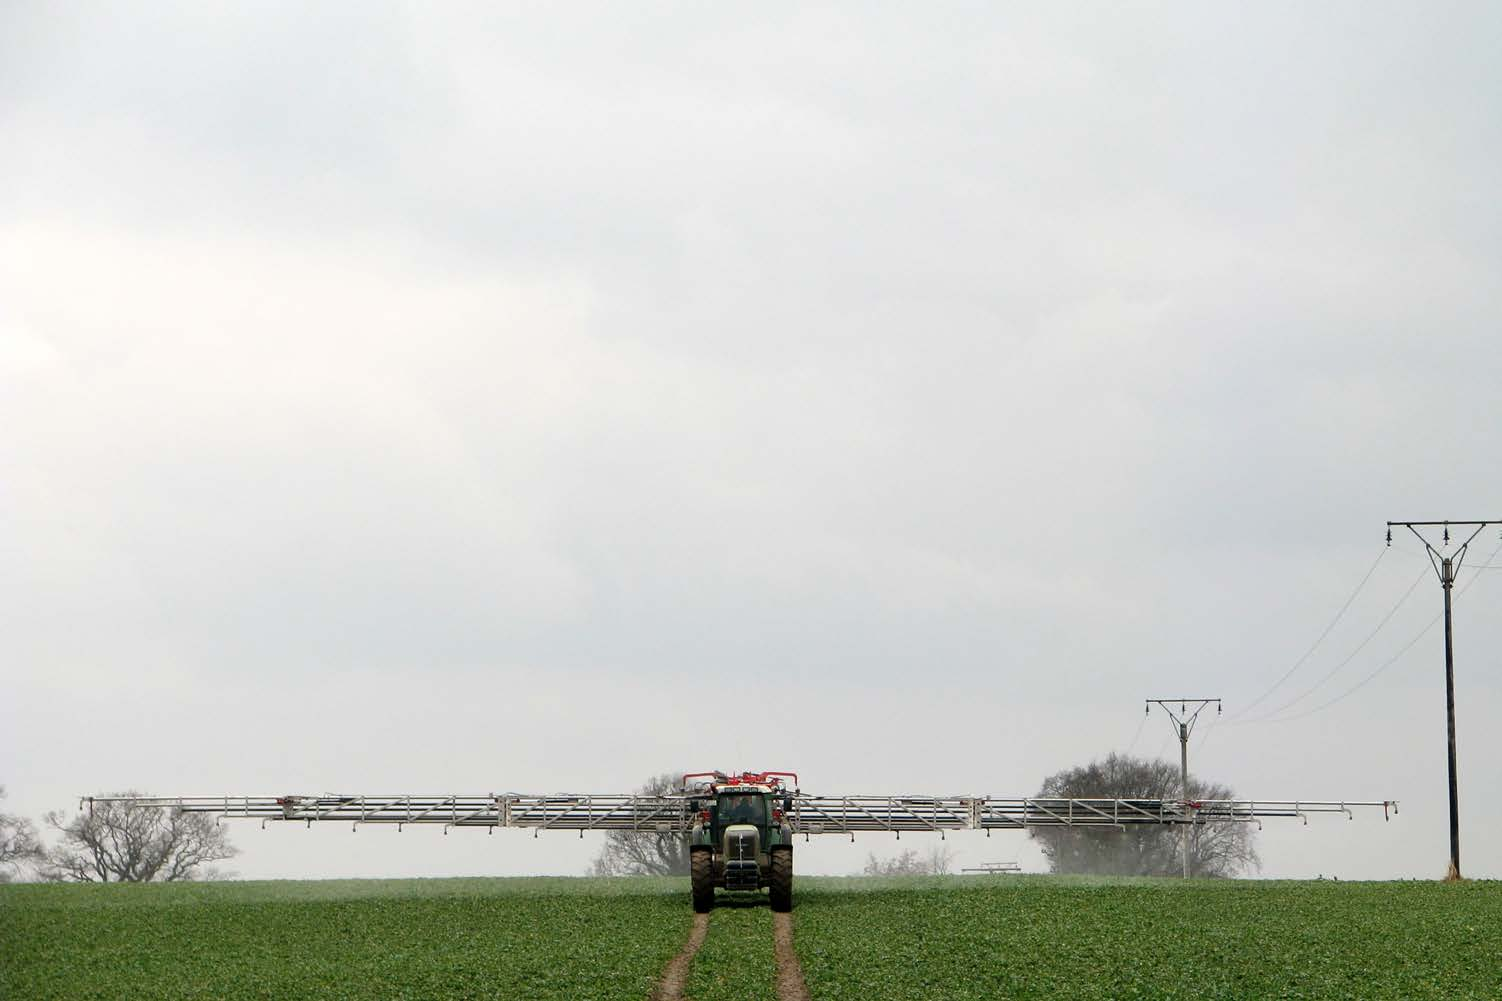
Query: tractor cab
[
  {"x": 740, "y": 838},
  {"x": 739, "y": 806}
]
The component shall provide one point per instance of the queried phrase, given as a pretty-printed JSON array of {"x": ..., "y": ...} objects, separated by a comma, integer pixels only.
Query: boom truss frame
[{"x": 808, "y": 814}]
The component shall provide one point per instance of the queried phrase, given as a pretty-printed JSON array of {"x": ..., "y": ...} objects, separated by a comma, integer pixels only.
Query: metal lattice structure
[{"x": 808, "y": 815}]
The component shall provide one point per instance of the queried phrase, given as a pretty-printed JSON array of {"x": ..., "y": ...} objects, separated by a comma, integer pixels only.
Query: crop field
[
  {"x": 437, "y": 938},
  {"x": 1047, "y": 937},
  {"x": 867, "y": 939}
]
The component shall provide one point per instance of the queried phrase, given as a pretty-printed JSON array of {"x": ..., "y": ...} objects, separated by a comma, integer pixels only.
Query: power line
[
  {"x": 1349, "y": 657},
  {"x": 1140, "y": 724},
  {"x": 1308, "y": 653},
  {"x": 1209, "y": 729},
  {"x": 1383, "y": 666},
  {"x": 1360, "y": 684}
]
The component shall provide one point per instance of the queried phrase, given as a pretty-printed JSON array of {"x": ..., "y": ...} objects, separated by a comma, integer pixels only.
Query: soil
[
  {"x": 790, "y": 985},
  {"x": 675, "y": 974}
]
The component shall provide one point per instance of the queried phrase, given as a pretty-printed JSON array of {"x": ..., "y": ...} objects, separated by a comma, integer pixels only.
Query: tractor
[{"x": 741, "y": 837}]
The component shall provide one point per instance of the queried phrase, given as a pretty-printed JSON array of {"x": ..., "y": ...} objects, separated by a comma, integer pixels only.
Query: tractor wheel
[
  {"x": 701, "y": 874},
  {"x": 780, "y": 879}
]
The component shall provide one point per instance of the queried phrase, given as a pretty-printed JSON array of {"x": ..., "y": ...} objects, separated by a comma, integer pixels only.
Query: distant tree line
[{"x": 937, "y": 861}]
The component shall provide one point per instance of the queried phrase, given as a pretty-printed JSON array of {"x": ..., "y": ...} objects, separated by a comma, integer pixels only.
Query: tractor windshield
[{"x": 744, "y": 808}]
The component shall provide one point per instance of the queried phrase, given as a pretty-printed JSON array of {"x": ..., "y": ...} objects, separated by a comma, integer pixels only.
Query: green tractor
[{"x": 741, "y": 838}]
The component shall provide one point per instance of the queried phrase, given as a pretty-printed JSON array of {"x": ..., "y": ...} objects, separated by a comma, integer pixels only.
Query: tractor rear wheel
[
  {"x": 701, "y": 874},
  {"x": 780, "y": 879}
]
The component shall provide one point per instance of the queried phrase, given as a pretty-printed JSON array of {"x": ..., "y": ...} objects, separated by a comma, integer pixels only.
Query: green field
[
  {"x": 864, "y": 939},
  {"x": 433, "y": 938},
  {"x": 1046, "y": 937}
]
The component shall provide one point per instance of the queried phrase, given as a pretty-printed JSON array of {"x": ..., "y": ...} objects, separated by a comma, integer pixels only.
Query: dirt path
[
  {"x": 675, "y": 974},
  {"x": 790, "y": 985}
]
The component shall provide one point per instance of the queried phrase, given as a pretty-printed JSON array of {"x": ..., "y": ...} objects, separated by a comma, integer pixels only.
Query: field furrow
[{"x": 737, "y": 961}]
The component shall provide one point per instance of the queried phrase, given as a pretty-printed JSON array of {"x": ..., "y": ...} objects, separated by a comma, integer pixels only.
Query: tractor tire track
[
  {"x": 675, "y": 974},
  {"x": 790, "y": 983}
]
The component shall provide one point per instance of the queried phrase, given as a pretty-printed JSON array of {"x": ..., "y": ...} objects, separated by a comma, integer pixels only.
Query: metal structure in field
[
  {"x": 810, "y": 814},
  {"x": 741, "y": 827}
]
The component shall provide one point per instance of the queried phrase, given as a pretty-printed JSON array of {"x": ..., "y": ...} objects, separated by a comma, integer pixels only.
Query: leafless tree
[
  {"x": 20, "y": 848},
  {"x": 645, "y": 853},
  {"x": 938, "y": 861},
  {"x": 1215, "y": 850},
  {"x": 904, "y": 863},
  {"x": 118, "y": 842},
  {"x": 941, "y": 859}
]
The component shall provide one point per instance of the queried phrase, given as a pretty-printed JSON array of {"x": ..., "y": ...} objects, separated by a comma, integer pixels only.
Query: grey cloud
[{"x": 530, "y": 377}]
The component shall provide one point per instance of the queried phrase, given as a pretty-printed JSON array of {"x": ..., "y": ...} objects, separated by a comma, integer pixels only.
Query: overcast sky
[{"x": 443, "y": 398}]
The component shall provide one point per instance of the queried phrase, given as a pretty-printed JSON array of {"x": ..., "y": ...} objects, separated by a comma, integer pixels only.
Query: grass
[
  {"x": 459, "y": 938},
  {"x": 1045, "y": 937},
  {"x": 953, "y": 938}
]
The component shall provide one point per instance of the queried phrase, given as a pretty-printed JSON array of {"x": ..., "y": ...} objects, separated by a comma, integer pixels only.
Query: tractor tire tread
[
  {"x": 780, "y": 879},
  {"x": 701, "y": 873}
]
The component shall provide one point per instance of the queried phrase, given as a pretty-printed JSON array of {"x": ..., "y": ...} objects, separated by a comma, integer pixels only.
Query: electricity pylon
[
  {"x": 1446, "y": 567},
  {"x": 1184, "y": 719}
]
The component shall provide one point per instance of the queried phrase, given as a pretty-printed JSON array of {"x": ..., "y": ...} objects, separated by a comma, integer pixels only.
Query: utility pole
[
  {"x": 1184, "y": 721},
  {"x": 1446, "y": 566}
]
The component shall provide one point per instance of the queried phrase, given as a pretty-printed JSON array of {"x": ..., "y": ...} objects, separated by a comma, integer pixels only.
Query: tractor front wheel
[
  {"x": 701, "y": 874},
  {"x": 780, "y": 879}
]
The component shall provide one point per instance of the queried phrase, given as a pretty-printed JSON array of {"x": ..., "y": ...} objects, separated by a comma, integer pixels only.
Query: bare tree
[
  {"x": 1215, "y": 850},
  {"x": 645, "y": 853},
  {"x": 119, "y": 842},
  {"x": 939, "y": 861},
  {"x": 20, "y": 848},
  {"x": 904, "y": 863}
]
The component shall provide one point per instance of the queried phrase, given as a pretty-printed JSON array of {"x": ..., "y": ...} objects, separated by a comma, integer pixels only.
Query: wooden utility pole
[{"x": 1446, "y": 565}]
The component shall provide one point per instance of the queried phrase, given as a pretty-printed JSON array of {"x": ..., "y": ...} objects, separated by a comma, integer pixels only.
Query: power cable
[
  {"x": 1385, "y": 664},
  {"x": 1360, "y": 684},
  {"x": 1320, "y": 639},
  {"x": 1140, "y": 724},
  {"x": 1350, "y": 656},
  {"x": 1209, "y": 729}
]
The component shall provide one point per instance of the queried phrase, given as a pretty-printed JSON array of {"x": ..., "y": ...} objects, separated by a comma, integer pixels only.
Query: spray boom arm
[{"x": 808, "y": 814}]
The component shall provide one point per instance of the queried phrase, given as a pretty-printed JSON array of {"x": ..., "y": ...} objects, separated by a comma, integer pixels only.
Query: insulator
[{"x": 1389, "y": 535}]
